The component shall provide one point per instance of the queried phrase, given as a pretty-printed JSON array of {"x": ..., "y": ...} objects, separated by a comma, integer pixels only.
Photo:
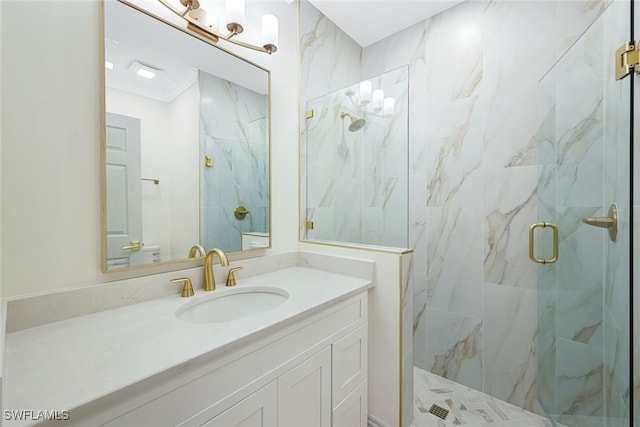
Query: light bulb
[
  {"x": 235, "y": 12},
  {"x": 378, "y": 97},
  {"x": 269, "y": 31},
  {"x": 365, "y": 92},
  {"x": 389, "y": 106}
]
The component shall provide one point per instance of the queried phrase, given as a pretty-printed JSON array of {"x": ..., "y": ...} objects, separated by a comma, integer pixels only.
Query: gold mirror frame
[{"x": 176, "y": 262}]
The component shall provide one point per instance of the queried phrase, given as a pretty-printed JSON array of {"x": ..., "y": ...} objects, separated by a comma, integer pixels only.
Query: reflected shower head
[{"x": 356, "y": 124}]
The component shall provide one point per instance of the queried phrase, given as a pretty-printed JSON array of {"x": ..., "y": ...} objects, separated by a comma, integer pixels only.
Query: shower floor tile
[{"x": 466, "y": 406}]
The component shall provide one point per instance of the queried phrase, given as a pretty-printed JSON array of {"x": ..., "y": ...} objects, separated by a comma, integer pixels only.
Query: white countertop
[{"x": 63, "y": 365}]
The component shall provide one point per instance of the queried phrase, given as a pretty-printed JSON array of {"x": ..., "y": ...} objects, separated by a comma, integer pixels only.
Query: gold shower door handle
[{"x": 532, "y": 243}]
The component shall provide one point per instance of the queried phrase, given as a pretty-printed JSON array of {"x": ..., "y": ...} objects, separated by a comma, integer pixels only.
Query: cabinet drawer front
[{"x": 349, "y": 357}]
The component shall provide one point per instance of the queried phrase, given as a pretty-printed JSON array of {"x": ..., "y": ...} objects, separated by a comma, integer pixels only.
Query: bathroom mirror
[{"x": 185, "y": 143}]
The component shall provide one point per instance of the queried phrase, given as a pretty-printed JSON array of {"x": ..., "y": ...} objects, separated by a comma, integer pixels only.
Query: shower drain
[{"x": 438, "y": 411}]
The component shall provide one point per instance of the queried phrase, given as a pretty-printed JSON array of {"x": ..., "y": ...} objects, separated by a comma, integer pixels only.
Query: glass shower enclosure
[
  {"x": 584, "y": 275},
  {"x": 357, "y": 163}
]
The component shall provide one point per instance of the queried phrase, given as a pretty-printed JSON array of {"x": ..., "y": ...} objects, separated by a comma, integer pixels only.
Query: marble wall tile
[
  {"x": 511, "y": 80},
  {"x": 420, "y": 319},
  {"x": 580, "y": 316},
  {"x": 580, "y": 129},
  {"x": 454, "y": 261},
  {"x": 581, "y": 249},
  {"x": 580, "y": 379},
  {"x": 510, "y": 346},
  {"x": 575, "y": 17},
  {"x": 454, "y": 347},
  {"x": 418, "y": 221},
  {"x": 399, "y": 49},
  {"x": 408, "y": 296},
  {"x": 454, "y": 37},
  {"x": 509, "y": 200},
  {"x": 546, "y": 384},
  {"x": 329, "y": 58},
  {"x": 616, "y": 369},
  {"x": 546, "y": 94},
  {"x": 454, "y": 154}
]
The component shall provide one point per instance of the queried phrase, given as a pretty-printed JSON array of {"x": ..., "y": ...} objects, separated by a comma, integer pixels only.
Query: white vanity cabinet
[{"x": 311, "y": 372}]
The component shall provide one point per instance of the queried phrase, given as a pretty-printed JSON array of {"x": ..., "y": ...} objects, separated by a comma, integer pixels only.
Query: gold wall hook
[
  {"x": 556, "y": 240},
  {"x": 609, "y": 222}
]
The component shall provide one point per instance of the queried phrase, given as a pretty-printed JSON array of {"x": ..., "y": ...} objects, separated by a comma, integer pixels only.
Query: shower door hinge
[
  {"x": 308, "y": 225},
  {"x": 309, "y": 113},
  {"x": 627, "y": 59}
]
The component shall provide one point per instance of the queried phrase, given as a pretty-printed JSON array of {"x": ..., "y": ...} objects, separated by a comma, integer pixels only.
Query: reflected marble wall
[{"x": 237, "y": 140}]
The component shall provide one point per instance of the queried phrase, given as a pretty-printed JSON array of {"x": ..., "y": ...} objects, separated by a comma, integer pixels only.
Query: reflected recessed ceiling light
[
  {"x": 145, "y": 73},
  {"x": 108, "y": 65},
  {"x": 143, "y": 70}
]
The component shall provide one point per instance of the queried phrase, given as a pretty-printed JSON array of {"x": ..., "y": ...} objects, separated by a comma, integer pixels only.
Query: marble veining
[{"x": 465, "y": 405}]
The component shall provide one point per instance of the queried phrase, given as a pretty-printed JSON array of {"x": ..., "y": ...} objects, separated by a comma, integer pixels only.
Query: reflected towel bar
[{"x": 155, "y": 181}]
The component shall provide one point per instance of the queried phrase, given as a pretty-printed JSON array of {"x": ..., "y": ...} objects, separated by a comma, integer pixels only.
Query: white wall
[
  {"x": 169, "y": 146},
  {"x": 185, "y": 152},
  {"x": 51, "y": 197},
  {"x": 51, "y": 146}
]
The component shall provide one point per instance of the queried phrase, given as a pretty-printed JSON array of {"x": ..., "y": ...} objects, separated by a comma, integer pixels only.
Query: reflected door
[
  {"x": 124, "y": 200},
  {"x": 584, "y": 153}
]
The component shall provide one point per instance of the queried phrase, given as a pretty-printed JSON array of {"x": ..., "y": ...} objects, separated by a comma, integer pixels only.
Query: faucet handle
[
  {"x": 187, "y": 288},
  {"x": 231, "y": 278}
]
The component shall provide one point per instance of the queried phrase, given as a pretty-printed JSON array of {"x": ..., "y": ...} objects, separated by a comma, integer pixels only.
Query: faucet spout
[
  {"x": 197, "y": 249},
  {"x": 209, "y": 279}
]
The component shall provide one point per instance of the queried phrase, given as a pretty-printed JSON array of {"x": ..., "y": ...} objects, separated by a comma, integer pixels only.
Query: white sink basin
[{"x": 231, "y": 304}]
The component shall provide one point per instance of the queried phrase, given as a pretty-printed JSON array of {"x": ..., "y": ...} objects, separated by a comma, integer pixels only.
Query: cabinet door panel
[
  {"x": 352, "y": 411},
  {"x": 349, "y": 363},
  {"x": 259, "y": 409},
  {"x": 304, "y": 393}
]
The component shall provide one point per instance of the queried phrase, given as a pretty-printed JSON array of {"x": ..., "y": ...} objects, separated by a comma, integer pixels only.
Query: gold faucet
[
  {"x": 199, "y": 249},
  {"x": 209, "y": 279}
]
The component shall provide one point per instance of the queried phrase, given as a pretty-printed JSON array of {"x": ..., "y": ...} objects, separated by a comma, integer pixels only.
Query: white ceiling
[
  {"x": 134, "y": 36},
  {"x": 367, "y": 21}
]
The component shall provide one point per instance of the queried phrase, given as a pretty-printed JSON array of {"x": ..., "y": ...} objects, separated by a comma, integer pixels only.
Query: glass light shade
[
  {"x": 389, "y": 106},
  {"x": 234, "y": 9},
  {"x": 365, "y": 92},
  {"x": 269, "y": 30},
  {"x": 378, "y": 97}
]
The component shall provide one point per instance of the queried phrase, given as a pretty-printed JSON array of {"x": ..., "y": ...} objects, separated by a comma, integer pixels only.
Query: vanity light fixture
[
  {"x": 108, "y": 65},
  {"x": 206, "y": 24}
]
